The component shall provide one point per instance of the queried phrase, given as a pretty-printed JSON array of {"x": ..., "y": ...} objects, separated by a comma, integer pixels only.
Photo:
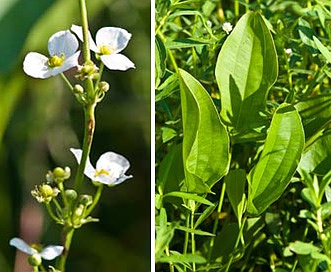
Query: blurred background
[{"x": 40, "y": 120}]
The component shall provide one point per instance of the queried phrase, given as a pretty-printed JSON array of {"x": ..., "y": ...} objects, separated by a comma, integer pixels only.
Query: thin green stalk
[
  {"x": 57, "y": 204},
  {"x": 68, "y": 232},
  {"x": 186, "y": 237},
  {"x": 171, "y": 265},
  {"x": 219, "y": 209},
  {"x": 247, "y": 6},
  {"x": 193, "y": 238},
  {"x": 35, "y": 269},
  {"x": 87, "y": 142},
  {"x": 236, "y": 8},
  {"x": 51, "y": 213},
  {"x": 66, "y": 80},
  {"x": 236, "y": 244},
  {"x": 100, "y": 73},
  {"x": 95, "y": 199}
]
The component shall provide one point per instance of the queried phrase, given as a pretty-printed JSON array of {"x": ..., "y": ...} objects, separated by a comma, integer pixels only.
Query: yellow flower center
[
  {"x": 56, "y": 61},
  {"x": 101, "y": 172},
  {"x": 105, "y": 50}
]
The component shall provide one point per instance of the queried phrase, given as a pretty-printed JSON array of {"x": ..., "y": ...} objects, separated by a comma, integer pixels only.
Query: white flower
[
  {"x": 48, "y": 253},
  {"x": 288, "y": 51},
  {"x": 62, "y": 47},
  {"x": 109, "y": 42},
  {"x": 227, "y": 27},
  {"x": 110, "y": 168}
]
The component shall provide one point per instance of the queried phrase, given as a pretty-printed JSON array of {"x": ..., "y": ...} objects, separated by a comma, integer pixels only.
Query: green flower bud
[
  {"x": 60, "y": 174},
  {"x": 78, "y": 89},
  {"x": 35, "y": 259},
  {"x": 85, "y": 200},
  {"x": 71, "y": 194},
  {"x": 103, "y": 86}
]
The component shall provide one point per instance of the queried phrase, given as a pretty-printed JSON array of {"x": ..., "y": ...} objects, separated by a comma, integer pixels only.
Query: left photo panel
[{"x": 75, "y": 136}]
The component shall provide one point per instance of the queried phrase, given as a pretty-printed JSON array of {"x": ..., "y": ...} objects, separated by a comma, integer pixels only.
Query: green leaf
[
  {"x": 317, "y": 157},
  {"x": 246, "y": 69},
  {"x": 184, "y": 43},
  {"x": 189, "y": 196},
  {"x": 160, "y": 60},
  {"x": 195, "y": 231},
  {"x": 205, "y": 142},
  {"x": 171, "y": 171},
  {"x": 235, "y": 189},
  {"x": 315, "y": 113},
  {"x": 168, "y": 134},
  {"x": 325, "y": 52},
  {"x": 278, "y": 162},
  {"x": 303, "y": 248},
  {"x": 182, "y": 258},
  {"x": 306, "y": 35},
  {"x": 164, "y": 234},
  {"x": 206, "y": 213}
]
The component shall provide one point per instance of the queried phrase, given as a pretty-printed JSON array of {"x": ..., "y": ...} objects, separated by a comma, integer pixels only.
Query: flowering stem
[
  {"x": 68, "y": 232},
  {"x": 87, "y": 142},
  {"x": 83, "y": 14},
  {"x": 95, "y": 200}
]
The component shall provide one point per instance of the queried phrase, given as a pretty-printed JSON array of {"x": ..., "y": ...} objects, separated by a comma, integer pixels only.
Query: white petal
[
  {"x": 117, "y": 62},
  {"x": 116, "y": 165},
  {"x": 22, "y": 246},
  {"x": 114, "y": 37},
  {"x": 89, "y": 169},
  {"x": 78, "y": 30},
  {"x": 112, "y": 159},
  {"x": 35, "y": 65},
  {"x": 51, "y": 252},
  {"x": 63, "y": 42}
]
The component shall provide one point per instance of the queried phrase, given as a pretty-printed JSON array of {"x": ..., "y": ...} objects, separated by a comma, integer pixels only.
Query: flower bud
[
  {"x": 35, "y": 259},
  {"x": 85, "y": 200},
  {"x": 71, "y": 195},
  {"x": 103, "y": 86},
  {"x": 60, "y": 174},
  {"x": 78, "y": 89}
]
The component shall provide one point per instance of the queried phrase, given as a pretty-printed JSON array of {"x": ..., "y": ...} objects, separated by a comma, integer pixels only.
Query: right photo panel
[{"x": 242, "y": 135}]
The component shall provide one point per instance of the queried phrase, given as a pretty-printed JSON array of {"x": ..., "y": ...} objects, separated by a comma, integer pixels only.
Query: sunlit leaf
[
  {"x": 205, "y": 142},
  {"x": 246, "y": 69},
  {"x": 278, "y": 161}
]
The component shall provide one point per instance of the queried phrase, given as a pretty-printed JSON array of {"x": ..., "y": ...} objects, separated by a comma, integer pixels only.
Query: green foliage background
[{"x": 40, "y": 120}]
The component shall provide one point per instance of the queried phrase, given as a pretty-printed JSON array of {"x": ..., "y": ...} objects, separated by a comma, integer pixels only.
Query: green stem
[
  {"x": 35, "y": 269},
  {"x": 68, "y": 232},
  {"x": 86, "y": 46},
  {"x": 193, "y": 238},
  {"x": 66, "y": 80},
  {"x": 51, "y": 213},
  {"x": 87, "y": 142},
  {"x": 236, "y": 8},
  {"x": 95, "y": 200},
  {"x": 240, "y": 234},
  {"x": 100, "y": 73},
  {"x": 171, "y": 265},
  {"x": 219, "y": 209}
]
